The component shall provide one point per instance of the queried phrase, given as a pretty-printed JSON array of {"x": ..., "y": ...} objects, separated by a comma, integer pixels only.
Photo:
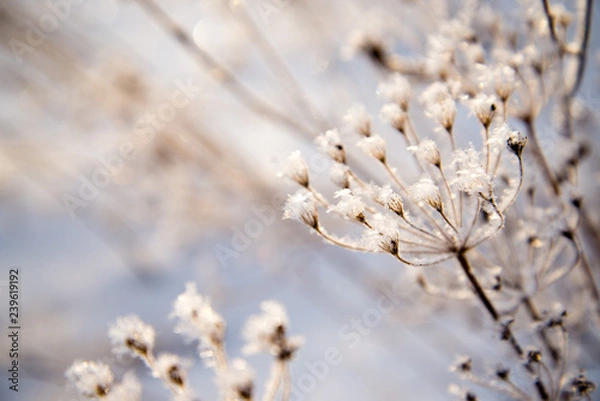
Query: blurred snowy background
[{"x": 198, "y": 199}]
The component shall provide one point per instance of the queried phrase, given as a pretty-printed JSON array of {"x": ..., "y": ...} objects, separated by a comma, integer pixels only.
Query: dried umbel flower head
[
  {"x": 384, "y": 235},
  {"x": 197, "y": 320},
  {"x": 238, "y": 381},
  {"x": 425, "y": 191},
  {"x": 396, "y": 90},
  {"x": 373, "y": 146},
  {"x": 428, "y": 151},
  {"x": 129, "y": 335},
  {"x": 267, "y": 332},
  {"x": 91, "y": 379},
  {"x": 295, "y": 169},
  {"x": 171, "y": 369},
  {"x": 330, "y": 143},
  {"x": 302, "y": 207},
  {"x": 358, "y": 120}
]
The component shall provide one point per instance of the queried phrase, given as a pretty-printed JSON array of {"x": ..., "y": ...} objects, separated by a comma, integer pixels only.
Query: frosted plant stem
[
  {"x": 489, "y": 306},
  {"x": 447, "y": 186},
  {"x": 535, "y": 316},
  {"x": 334, "y": 241},
  {"x": 274, "y": 382},
  {"x": 287, "y": 384}
]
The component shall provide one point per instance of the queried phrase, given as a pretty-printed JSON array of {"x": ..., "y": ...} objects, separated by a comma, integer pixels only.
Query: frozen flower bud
[
  {"x": 516, "y": 142},
  {"x": 582, "y": 387},
  {"x": 171, "y": 369},
  {"x": 387, "y": 197},
  {"x": 302, "y": 207},
  {"x": 384, "y": 235},
  {"x": 368, "y": 43},
  {"x": 267, "y": 332},
  {"x": 91, "y": 379},
  {"x": 504, "y": 82},
  {"x": 238, "y": 382},
  {"x": 471, "y": 177},
  {"x": 439, "y": 104},
  {"x": 349, "y": 206},
  {"x": 397, "y": 90},
  {"x": 484, "y": 107},
  {"x": 295, "y": 169},
  {"x": 373, "y": 146},
  {"x": 330, "y": 143},
  {"x": 425, "y": 191},
  {"x": 129, "y": 335},
  {"x": 429, "y": 151},
  {"x": 463, "y": 364},
  {"x": 340, "y": 175},
  {"x": 197, "y": 320},
  {"x": 358, "y": 120},
  {"x": 392, "y": 114}
]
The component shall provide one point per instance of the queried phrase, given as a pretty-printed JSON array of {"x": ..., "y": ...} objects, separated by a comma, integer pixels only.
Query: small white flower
[
  {"x": 358, "y": 120},
  {"x": 330, "y": 143},
  {"x": 373, "y": 146},
  {"x": 197, "y": 320},
  {"x": 295, "y": 169},
  {"x": 302, "y": 207},
  {"x": 397, "y": 90},
  {"x": 392, "y": 114},
  {"x": 238, "y": 382},
  {"x": 427, "y": 150},
  {"x": 267, "y": 332},
  {"x": 425, "y": 191},
  {"x": 349, "y": 206},
  {"x": 129, "y": 335},
  {"x": 171, "y": 369},
  {"x": 91, "y": 379},
  {"x": 470, "y": 175}
]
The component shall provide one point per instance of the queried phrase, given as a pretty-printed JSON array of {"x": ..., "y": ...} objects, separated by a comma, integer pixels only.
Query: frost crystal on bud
[
  {"x": 238, "y": 382},
  {"x": 330, "y": 143},
  {"x": 302, "y": 207},
  {"x": 427, "y": 192},
  {"x": 129, "y": 335},
  {"x": 340, "y": 175},
  {"x": 349, "y": 206},
  {"x": 484, "y": 107},
  {"x": 392, "y": 114},
  {"x": 172, "y": 369},
  {"x": 295, "y": 169},
  {"x": 387, "y": 197},
  {"x": 470, "y": 176},
  {"x": 373, "y": 146},
  {"x": 197, "y": 320},
  {"x": 427, "y": 150},
  {"x": 91, "y": 379},
  {"x": 267, "y": 332},
  {"x": 397, "y": 90},
  {"x": 358, "y": 120}
]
